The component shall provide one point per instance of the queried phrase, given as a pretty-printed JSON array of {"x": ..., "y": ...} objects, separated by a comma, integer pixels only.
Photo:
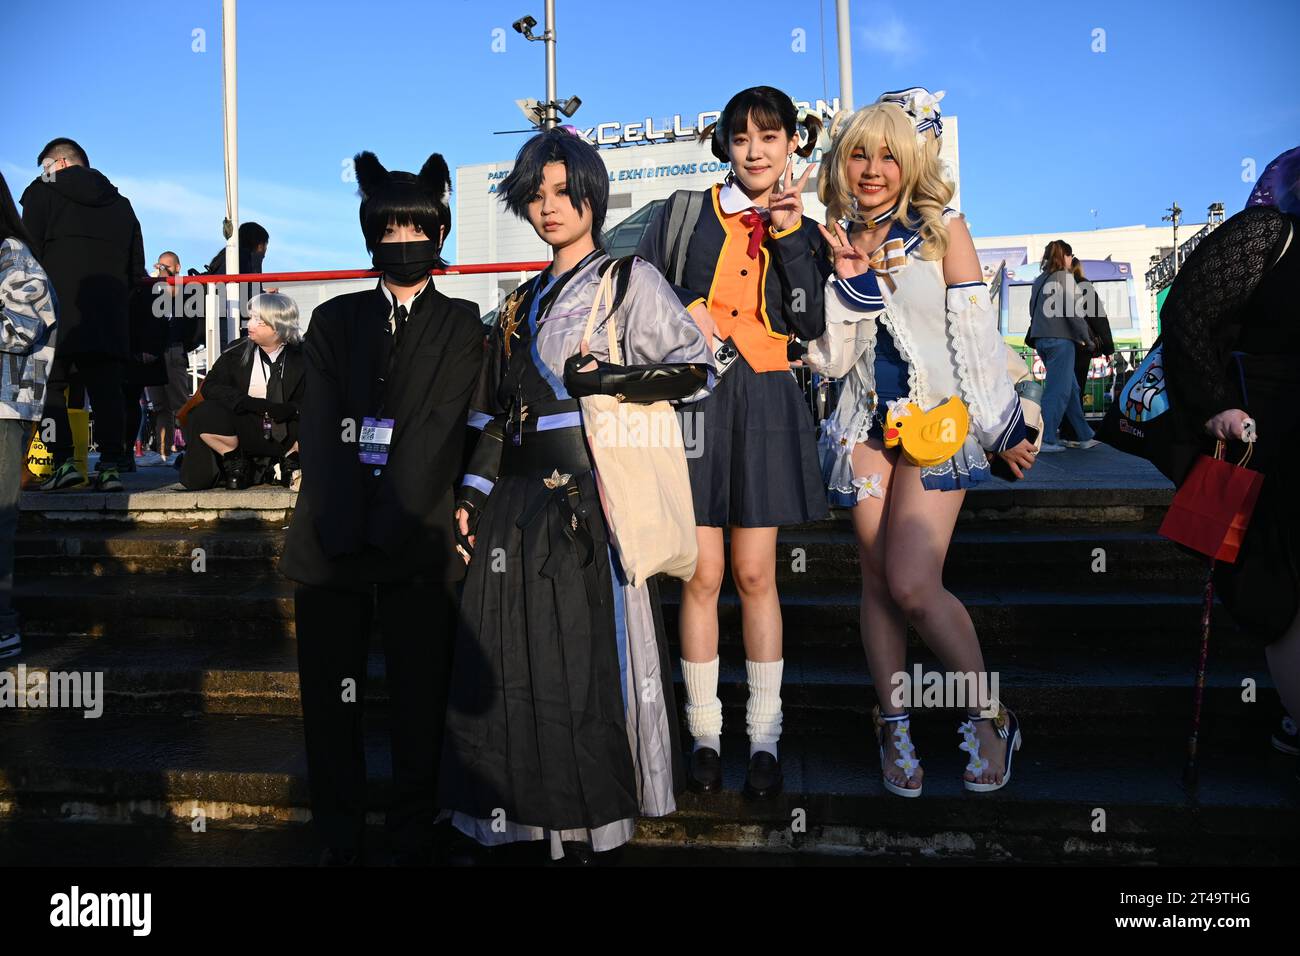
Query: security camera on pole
[{"x": 543, "y": 115}]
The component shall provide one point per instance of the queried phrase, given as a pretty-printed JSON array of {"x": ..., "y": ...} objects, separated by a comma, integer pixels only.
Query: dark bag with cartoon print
[{"x": 1139, "y": 421}]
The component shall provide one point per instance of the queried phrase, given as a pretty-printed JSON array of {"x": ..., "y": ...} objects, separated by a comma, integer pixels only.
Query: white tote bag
[{"x": 640, "y": 459}]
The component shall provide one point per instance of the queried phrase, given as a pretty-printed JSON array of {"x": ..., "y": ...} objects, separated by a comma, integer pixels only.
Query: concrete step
[
  {"x": 206, "y": 606},
  {"x": 828, "y": 689},
  {"x": 980, "y": 553},
  {"x": 155, "y": 499},
  {"x": 249, "y": 772}
]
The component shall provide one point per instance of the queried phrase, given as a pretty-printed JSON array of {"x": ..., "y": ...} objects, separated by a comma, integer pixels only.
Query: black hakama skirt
[{"x": 562, "y": 721}]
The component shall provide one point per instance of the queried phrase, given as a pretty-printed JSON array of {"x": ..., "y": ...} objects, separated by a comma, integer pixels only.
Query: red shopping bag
[{"x": 1211, "y": 511}]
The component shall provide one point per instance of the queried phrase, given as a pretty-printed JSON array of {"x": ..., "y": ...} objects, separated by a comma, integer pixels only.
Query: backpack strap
[{"x": 684, "y": 208}]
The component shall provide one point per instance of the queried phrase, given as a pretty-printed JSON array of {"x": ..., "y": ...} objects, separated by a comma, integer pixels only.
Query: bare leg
[
  {"x": 883, "y": 626},
  {"x": 221, "y": 444},
  {"x": 919, "y": 532},
  {"x": 753, "y": 569},
  {"x": 699, "y": 614}
]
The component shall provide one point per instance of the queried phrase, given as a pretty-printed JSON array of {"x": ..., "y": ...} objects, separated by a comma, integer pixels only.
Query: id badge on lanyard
[{"x": 376, "y": 437}]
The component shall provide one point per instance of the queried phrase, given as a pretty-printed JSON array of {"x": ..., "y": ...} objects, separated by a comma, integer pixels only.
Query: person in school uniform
[
  {"x": 562, "y": 726},
  {"x": 909, "y": 326},
  {"x": 750, "y": 268},
  {"x": 390, "y": 372}
]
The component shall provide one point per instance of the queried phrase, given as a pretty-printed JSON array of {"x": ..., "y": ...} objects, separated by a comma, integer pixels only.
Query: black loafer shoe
[
  {"x": 706, "y": 771},
  {"x": 764, "y": 776}
]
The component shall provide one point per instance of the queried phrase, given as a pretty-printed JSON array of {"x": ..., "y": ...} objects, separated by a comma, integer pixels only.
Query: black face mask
[{"x": 406, "y": 263}]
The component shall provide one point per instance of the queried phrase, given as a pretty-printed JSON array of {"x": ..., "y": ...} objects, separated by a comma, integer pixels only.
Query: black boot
[
  {"x": 234, "y": 470},
  {"x": 288, "y": 465}
]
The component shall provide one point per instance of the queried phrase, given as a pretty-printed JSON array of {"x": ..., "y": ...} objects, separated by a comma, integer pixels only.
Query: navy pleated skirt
[{"x": 752, "y": 452}]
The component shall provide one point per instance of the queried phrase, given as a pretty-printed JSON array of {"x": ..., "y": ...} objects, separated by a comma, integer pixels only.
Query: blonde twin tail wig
[{"x": 922, "y": 184}]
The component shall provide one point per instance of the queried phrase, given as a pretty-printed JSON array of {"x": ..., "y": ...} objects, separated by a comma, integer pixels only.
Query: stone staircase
[{"x": 201, "y": 705}]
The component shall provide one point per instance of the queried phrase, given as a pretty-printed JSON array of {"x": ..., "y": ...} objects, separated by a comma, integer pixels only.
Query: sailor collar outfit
[{"x": 949, "y": 340}]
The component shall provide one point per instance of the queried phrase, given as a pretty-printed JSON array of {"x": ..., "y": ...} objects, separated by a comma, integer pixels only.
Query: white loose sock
[
  {"x": 763, "y": 710},
  {"x": 703, "y": 709}
]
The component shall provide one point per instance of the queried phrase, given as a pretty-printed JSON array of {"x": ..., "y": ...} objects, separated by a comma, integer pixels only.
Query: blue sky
[{"x": 1182, "y": 96}]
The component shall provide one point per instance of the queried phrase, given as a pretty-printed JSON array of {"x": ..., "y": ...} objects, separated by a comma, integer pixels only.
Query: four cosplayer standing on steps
[
  {"x": 563, "y": 724},
  {"x": 27, "y": 338},
  {"x": 909, "y": 327},
  {"x": 389, "y": 378},
  {"x": 750, "y": 268}
]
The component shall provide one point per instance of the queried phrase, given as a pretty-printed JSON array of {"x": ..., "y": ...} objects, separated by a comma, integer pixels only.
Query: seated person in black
[{"x": 248, "y": 420}]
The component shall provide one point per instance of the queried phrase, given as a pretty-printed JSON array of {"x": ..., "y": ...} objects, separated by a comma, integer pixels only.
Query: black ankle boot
[
  {"x": 288, "y": 465},
  {"x": 234, "y": 470}
]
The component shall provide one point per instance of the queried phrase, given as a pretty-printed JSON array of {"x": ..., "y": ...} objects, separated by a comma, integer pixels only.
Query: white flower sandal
[
  {"x": 1008, "y": 728},
  {"x": 907, "y": 762}
]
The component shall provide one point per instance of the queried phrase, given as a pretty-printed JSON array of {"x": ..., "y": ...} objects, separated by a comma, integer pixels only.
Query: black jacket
[
  {"x": 227, "y": 381},
  {"x": 1095, "y": 315},
  {"x": 85, "y": 234},
  {"x": 351, "y": 528}
]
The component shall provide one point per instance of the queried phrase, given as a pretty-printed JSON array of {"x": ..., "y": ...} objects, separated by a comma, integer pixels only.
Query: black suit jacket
[
  {"x": 227, "y": 381},
  {"x": 351, "y": 528}
]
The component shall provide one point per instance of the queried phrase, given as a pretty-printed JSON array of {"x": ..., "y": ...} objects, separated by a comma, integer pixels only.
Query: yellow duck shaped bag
[{"x": 928, "y": 438}]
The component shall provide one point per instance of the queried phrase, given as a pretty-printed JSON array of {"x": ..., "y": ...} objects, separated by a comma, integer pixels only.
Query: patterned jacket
[{"x": 27, "y": 334}]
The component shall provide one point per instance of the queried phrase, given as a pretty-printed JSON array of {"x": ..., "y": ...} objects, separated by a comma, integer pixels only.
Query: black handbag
[{"x": 1140, "y": 421}]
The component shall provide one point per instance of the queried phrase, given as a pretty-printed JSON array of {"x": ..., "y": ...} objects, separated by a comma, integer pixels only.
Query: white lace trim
[
  {"x": 974, "y": 377},
  {"x": 918, "y": 383}
]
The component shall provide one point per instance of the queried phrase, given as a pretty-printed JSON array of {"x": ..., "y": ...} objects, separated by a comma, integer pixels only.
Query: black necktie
[
  {"x": 275, "y": 390},
  {"x": 399, "y": 326}
]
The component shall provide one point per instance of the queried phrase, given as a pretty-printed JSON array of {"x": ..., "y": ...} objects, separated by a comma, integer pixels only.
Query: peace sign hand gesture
[
  {"x": 849, "y": 261},
  {"x": 786, "y": 208}
]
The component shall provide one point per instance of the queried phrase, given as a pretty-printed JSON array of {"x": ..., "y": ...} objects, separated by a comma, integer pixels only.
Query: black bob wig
[
  {"x": 403, "y": 199},
  {"x": 586, "y": 177}
]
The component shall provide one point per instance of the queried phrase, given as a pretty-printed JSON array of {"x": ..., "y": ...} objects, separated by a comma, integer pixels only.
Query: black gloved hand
[{"x": 281, "y": 411}]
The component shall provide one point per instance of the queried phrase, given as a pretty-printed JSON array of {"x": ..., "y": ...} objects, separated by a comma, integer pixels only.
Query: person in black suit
[
  {"x": 248, "y": 420},
  {"x": 390, "y": 373}
]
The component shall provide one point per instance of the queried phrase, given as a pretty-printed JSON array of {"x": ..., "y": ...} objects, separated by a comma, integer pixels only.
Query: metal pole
[
  {"x": 845, "y": 54},
  {"x": 230, "y": 109},
  {"x": 1174, "y": 211},
  {"x": 550, "y": 120}
]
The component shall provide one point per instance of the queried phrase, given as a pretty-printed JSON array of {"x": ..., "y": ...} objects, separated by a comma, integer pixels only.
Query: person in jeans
[
  {"x": 86, "y": 235},
  {"x": 27, "y": 336},
  {"x": 1056, "y": 329}
]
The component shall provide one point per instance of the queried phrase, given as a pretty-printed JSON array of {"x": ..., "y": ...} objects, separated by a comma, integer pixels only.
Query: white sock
[
  {"x": 703, "y": 709},
  {"x": 763, "y": 709}
]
